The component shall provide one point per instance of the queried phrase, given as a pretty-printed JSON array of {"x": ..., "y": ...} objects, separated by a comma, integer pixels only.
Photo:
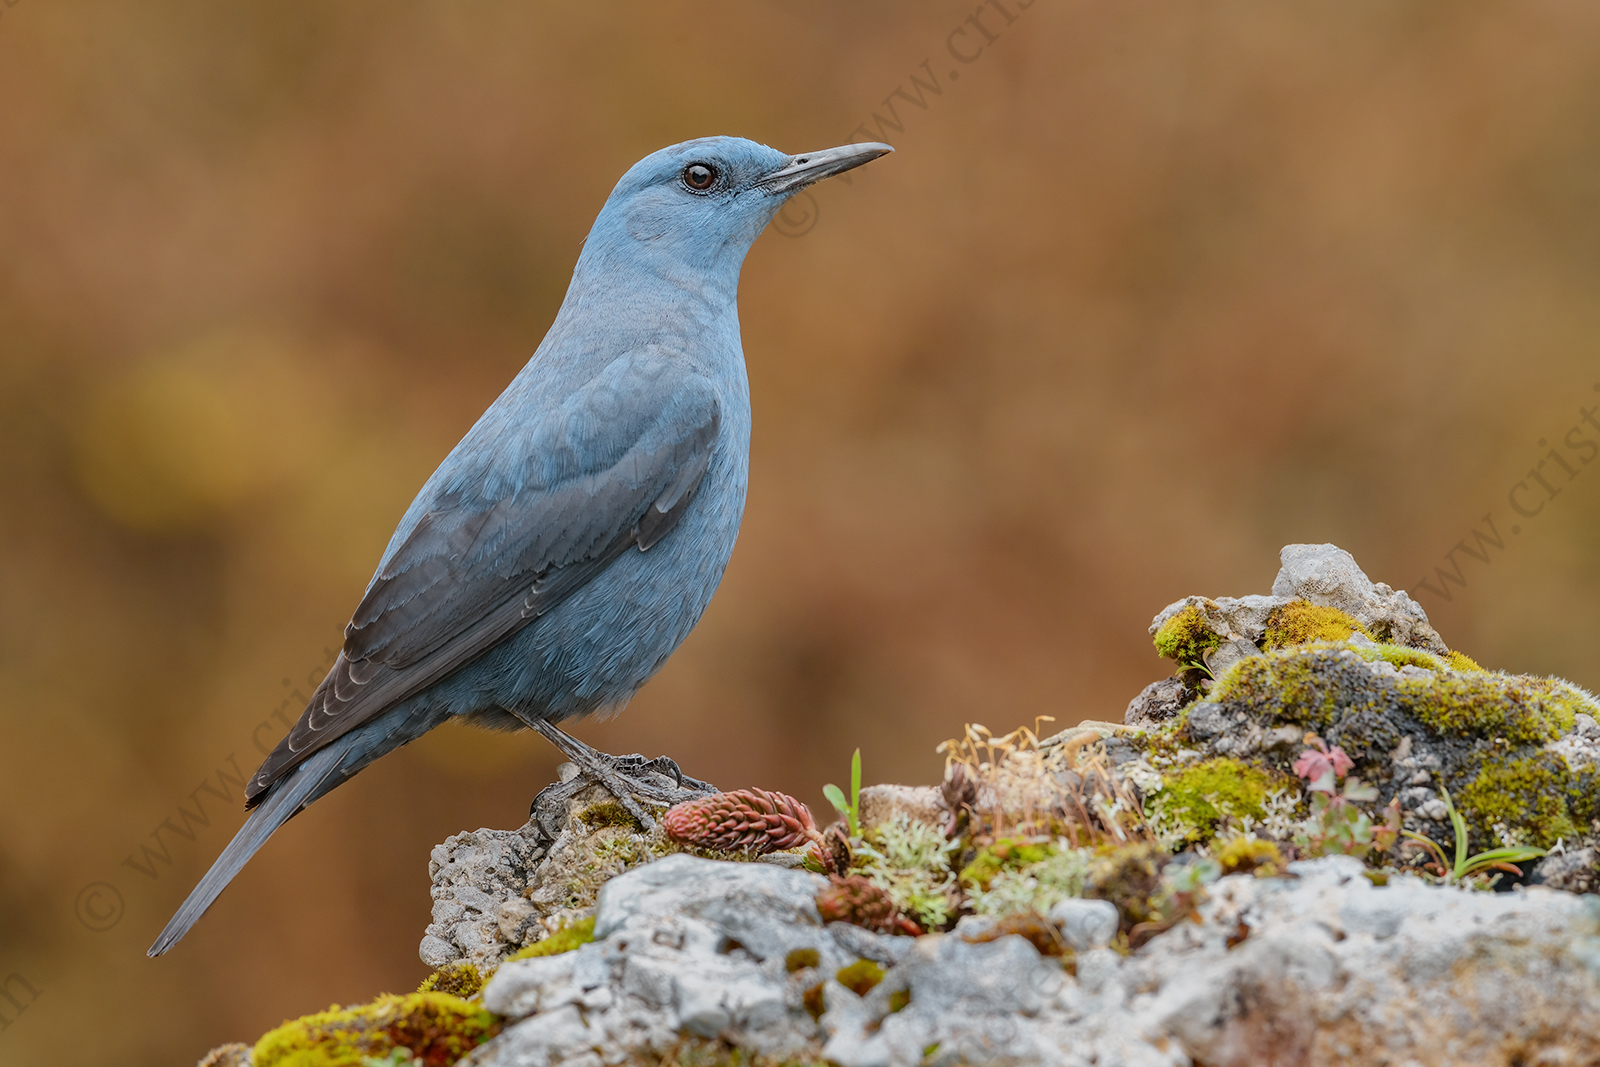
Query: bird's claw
[{"x": 629, "y": 779}]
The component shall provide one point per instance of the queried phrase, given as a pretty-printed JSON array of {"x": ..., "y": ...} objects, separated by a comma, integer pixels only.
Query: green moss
[
  {"x": 1526, "y": 801},
  {"x": 607, "y": 813},
  {"x": 1401, "y": 656},
  {"x": 1460, "y": 661},
  {"x": 814, "y": 1001},
  {"x": 1243, "y": 854},
  {"x": 1186, "y": 638},
  {"x": 860, "y": 976},
  {"x": 1520, "y": 711},
  {"x": 1197, "y": 801},
  {"x": 899, "y": 1000},
  {"x": 434, "y": 1027},
  {"x": 1004, "y": 853},
  {"x": 566, "y": 939},
  {"x": 801, "y": 958},
  {"x": 1301, "y": 621},
  {"x": 1287, "y": 686},
  {"x": 458, "y": 979},
  {"x": 1129, "y": 877},
  {"x": 1031, "y": 878}
]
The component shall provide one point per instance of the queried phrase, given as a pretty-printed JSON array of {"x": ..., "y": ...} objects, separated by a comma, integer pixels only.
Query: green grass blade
[
  {"x": 855, "y": 794},
  {"x": 835, "y": 797}
]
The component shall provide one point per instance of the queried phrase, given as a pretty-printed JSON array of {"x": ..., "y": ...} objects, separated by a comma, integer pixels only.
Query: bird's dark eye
[{"x": 699, "y": 175}]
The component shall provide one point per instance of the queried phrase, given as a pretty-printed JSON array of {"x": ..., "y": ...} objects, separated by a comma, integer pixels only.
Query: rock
[
  {"x": 1319, "y": 968},
  {"x": 684, "y": 946},
  {"x": 474, "y": 875},
  {"x": 1497, "y": 742},
  {"x": 495, "y": 891},
  {"x": 1577, "y": 871},
  {"x": 234, "y": 1055},
  {"x": 919, "y": 803},
  {"x": 1225, "y": 655},
  {"x": 1086, "y": 924},
  {"x": 1158, "y": 703},
  {"x": 1228, "y": 617},
  {"x": 1328, "y": 576}
]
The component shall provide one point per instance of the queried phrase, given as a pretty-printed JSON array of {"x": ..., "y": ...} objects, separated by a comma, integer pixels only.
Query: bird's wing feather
[{"x": 613, "y": 467}]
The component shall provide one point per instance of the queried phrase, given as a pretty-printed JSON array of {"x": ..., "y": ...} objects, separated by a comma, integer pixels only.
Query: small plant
[
  {"x": 859, "y": 901},
  {"x": 849, "y": 812},
  {"x": 1336, "y": 825},
  {"x": 911, "y": 862},
  {"x": 753, "y": 821},
  {"x": 1465, "y": 866}
]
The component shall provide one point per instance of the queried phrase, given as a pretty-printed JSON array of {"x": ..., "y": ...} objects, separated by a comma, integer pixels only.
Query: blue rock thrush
[{"x": 569, "y": 543}]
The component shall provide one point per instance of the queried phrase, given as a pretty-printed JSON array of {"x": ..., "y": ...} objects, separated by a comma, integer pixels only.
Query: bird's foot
[{"x": 628, "y": 778}]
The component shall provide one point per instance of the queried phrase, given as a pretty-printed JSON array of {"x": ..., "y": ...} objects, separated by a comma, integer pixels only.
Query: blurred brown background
[{"x": 1150, "y": 291}]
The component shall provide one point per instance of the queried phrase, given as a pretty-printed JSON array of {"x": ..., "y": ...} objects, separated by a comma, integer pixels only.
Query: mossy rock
[
  {"x": 462, "y": 980},
  {"x": 1529, "y": 800},
  {"x": 436, "y": 1028},
  {"x": 1430, "y": 722},
  {"x": 1130, "y": 878},
  {"x": 1187, "y": 637},
  {"x": 567, "y": 939}
]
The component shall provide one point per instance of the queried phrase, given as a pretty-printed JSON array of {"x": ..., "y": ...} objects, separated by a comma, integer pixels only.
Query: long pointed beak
[{"x": 810, "y": 167}]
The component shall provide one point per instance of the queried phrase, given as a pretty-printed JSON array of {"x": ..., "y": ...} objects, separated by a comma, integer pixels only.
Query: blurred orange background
[{"x": 1148, "y": 291}]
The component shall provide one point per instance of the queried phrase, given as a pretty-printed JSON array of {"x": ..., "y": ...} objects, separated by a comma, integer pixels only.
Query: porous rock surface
[
  {"x": 1321, "y": 967},
  {"x": 495, "y": 891}
]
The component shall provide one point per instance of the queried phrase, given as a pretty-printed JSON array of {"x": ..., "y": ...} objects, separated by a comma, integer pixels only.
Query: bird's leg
[{"x": 628, "y": 778}]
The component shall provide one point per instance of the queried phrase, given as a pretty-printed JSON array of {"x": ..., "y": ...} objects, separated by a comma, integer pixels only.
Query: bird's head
[{"x": 703, "y": 203}]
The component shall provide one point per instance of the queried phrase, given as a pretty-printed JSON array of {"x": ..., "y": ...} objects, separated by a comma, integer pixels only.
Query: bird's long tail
[{"x": 303, "y": 785}]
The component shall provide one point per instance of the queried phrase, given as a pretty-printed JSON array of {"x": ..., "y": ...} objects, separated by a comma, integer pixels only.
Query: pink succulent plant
[{"x": 745, "y": 820}]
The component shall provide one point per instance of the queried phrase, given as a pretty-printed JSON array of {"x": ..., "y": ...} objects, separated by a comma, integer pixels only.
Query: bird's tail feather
[{"x": 291, "y": 794}]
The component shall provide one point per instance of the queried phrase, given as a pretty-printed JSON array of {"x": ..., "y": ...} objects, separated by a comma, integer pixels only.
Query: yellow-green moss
[
  {"x": 607, "y": 813},
  {"x": 1304, "y": 687},
  {"x": 1186, "y": 638},
  {"x": 1002, "y": 855},
  {"x": 458, "y": 979},
  {"x": 1401, "y": 656},
  {"x": 860, "y": 976},
  {"x": 1288, "y": 684},
  {"x": 1029, "y": 877},
  {"x": 1519, "y": 711},
  {"x": 566, "y": 939},
  {"x": 1301, "y": 621},
  {"x": 1197, "y": 800},
  {"x": 1129, "y": 877},
  {"x": 799, "y": 959},
  {"x": 1529, "y": 801},
  {"x": 435, "y": 1027},
  {"x": 1460, "y": 661},
  {"x": 1245, "y": 854}
]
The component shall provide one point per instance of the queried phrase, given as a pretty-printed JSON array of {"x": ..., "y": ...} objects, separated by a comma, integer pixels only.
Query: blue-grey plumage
[{"x": 574, "y": 537}]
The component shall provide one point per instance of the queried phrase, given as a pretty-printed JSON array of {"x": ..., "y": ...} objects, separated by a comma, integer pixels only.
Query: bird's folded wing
[{"x": 510, "y": 536}]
